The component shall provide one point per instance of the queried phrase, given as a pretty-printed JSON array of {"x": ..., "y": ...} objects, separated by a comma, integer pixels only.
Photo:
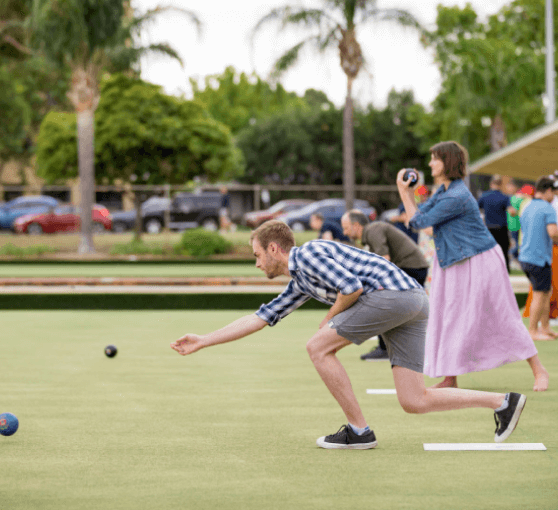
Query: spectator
[
  {"x": 495, "y": 205},
  {"x": 426, "y": 238},
  {"x": 475, "y": 324},
  {"x": 328, "y": 230},
  {"x": 400, "y": 221},
  {"x": 513, "y": 220},
  {"x": 224, "y": 216},
  {"x": 389, "y": 242},
  {"x": 538, "y": 226}
]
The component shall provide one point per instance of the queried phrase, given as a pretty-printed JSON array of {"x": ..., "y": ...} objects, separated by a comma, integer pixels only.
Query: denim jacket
[{"x": 459, "y": 232}]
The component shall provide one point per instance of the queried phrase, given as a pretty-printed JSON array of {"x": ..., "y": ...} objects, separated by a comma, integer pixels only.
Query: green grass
[
  {"x": 234, "y": 426},
  {"x": 123, "y": 270},
  {"x": 108, "y": 244}
]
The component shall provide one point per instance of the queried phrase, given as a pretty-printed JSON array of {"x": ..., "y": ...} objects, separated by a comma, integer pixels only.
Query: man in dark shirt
[
  {"x": 400, "y": 221},
  {"x": 495, "y": 205},
  {"x": 329, "y": 230}
]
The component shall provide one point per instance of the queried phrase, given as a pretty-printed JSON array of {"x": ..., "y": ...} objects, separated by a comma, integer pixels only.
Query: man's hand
[{"x": 188, "y": 344}]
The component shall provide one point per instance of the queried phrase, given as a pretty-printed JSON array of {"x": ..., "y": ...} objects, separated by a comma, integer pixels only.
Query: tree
[
  {"x": 142, "y": 135},
  {"x": 88, "y": 36},
  {"x": 336, "y": 24},
  {"x": 493, "y": 74},
  {"x": 239, "y": 99},
  {"x": 15, "y": 117},
  {"x": 306, "y": 148}
]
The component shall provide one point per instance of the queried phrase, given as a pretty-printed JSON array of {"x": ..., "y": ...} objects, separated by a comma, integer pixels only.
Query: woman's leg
[{"x": 540, "y": 373}]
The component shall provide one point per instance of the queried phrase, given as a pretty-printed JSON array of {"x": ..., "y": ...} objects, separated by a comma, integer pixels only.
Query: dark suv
[{"x": 187, "y": 210}]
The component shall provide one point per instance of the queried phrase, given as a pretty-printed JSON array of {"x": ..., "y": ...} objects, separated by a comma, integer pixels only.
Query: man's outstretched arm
[{"x": 190, "y": 343}]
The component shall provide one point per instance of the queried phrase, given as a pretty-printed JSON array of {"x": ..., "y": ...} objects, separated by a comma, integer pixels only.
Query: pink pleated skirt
[{"x": 474, "y": 322}]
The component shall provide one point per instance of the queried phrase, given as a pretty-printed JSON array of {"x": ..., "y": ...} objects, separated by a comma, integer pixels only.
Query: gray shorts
[{"x": 399, "y": 316}]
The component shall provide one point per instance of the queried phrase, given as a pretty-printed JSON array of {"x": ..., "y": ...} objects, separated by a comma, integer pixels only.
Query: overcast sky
[{"x": 395, "y": 58}]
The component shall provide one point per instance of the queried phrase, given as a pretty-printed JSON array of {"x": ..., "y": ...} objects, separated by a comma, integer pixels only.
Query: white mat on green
[
  {"x": 381, "y": 392},
  {"x": 483, "y": 446}
]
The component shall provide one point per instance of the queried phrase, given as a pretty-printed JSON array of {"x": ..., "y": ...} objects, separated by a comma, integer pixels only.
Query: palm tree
[
  {"x": 336, "y": 24},
  {"x": 90, "y": 36}
]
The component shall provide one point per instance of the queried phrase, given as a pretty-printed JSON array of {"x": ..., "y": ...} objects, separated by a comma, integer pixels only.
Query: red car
[
  {"x": 255, "y": 218},
  {"x": 62, "y": 218}
]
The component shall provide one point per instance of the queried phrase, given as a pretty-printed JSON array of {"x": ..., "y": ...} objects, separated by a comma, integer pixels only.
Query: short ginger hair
[{"x": 274, "y": 231}]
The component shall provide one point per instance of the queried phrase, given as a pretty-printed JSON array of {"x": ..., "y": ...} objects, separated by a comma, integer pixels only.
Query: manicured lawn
[
  {"x": 234, "y": 426},
  {"x": 69, "y": 243},
  {"x": 123, "y": 270}
]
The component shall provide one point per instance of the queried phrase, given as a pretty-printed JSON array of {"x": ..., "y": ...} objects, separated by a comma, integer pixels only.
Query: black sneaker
[
  {"x": 346, "y": 439},
  {"x": 507, "y": 419},
  {"x": 378, "y": 354}
]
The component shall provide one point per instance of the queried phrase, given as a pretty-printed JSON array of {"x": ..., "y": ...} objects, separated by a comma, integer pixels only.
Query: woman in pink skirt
[{"x": 474, "y": 322}]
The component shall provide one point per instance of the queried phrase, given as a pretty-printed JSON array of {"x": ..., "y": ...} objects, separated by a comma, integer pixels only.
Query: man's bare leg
[
  {"x": 322, "y": 348},
  {"x": 414, "y": 397}
]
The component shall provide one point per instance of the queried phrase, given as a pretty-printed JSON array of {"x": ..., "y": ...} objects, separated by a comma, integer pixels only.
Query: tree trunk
[
  {"x": 348, "y": 149},
  {"x": 498, "y": 137},
  {"x": 86, "y": 164},
  {"x": 84, "y": 96}
]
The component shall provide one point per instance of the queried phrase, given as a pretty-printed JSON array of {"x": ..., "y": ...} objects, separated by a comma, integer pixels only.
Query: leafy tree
[
  {"x": 336, "y": 25},
  {"x": 88, "y": 36},
  {"x": 301, "y": 148},
  {"x": 143, "y": 136},
  {"x": 29, "y": 86},
  {"x": 238, "y": 99},
  {"x": 493, "y": 74},
  {"x": 15, "y": 117}
]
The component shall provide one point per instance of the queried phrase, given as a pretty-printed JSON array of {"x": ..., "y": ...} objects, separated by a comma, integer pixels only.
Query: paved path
[{"x": 154, "y": 285}]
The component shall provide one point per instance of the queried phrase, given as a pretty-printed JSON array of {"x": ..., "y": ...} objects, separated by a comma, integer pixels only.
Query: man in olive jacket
[{"x": 389, "y": 242}]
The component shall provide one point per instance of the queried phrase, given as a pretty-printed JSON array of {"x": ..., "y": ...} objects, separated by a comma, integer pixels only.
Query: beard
[{"x": 273, "y": 270}]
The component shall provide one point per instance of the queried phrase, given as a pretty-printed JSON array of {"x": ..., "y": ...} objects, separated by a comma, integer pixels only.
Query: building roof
[{"x": 530, "y": 157}]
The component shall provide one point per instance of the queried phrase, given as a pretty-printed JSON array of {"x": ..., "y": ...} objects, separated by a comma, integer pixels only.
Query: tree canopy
[
  {"x": 306, "y": 148},
  {"x": 142, "y": 135},
  {"x": 493, "y": 74},
  {"x": 237, "y": 99}
]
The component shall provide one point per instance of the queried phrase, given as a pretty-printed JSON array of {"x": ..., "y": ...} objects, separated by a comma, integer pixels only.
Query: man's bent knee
[{"x": 325, "y": 342}]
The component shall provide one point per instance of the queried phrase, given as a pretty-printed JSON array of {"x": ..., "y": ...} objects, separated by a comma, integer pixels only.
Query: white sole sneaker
[
  {"x": 322, "y": 443},
  {"x": 513, "y": 420}
]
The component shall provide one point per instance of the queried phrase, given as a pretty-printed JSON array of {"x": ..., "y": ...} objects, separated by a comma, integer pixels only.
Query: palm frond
[
  {"x": 286, "y": 60},
  {"x": 140, "y": 20},
  {"x": 161, "y": 49},
  {"x": 404, "y": 18},
  {"x": 328, "y": 39},
  {"x": 294, "y": 16},
  {"x": 290, "y": 57}
]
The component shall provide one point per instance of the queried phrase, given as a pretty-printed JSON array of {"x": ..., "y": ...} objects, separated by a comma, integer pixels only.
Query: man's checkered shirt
[{"x": 322, "y": 269}]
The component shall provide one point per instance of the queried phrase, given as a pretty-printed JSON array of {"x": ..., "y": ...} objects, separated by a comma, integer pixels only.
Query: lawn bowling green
[{"x": 235, "y": 426}]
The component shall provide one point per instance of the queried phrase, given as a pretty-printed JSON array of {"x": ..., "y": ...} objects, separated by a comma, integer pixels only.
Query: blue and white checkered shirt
[{"x": 322, "y": 269}]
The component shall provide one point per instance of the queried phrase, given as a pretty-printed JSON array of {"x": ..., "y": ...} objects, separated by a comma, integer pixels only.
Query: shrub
[
  {"x": 136, "y": 248},
  {"x": 15, "y": 251},
  {"x": 201, "y": 243}
]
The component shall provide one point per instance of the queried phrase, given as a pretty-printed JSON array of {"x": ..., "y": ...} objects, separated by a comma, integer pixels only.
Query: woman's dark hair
[{"x": 455, "y": 158}]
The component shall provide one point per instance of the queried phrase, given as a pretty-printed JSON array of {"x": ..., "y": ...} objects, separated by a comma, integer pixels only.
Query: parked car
[
  {"x": 22, "y": 206},
  {"x": 187, "y": 210},
  {"x": 332, "y": 209},
  {"x": 254, "y": 219},
  {"x": 152, "y": 210},
  {"x": 62, "y": 218}
]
